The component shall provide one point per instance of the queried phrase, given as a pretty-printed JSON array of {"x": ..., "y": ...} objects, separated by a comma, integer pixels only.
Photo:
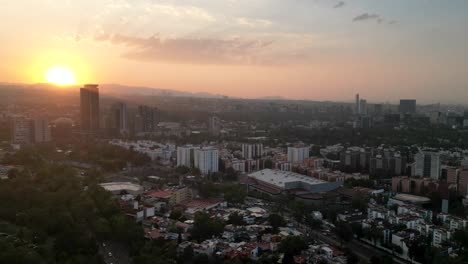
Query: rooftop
[
  {"x": 280, "y": 178},
  {"x": 411, "y": 198},
  {"x": 118, "y": 186}
]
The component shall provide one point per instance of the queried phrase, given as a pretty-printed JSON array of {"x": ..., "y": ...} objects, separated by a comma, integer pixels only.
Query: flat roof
[
  {"x": 118, "y": 186},
  {"x": 280, "y": 178},
  {"x": 411, "y": 198}
]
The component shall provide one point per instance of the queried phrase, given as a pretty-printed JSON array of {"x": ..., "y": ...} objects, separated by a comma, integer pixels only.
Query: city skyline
[{"x": 318, "y": 50}]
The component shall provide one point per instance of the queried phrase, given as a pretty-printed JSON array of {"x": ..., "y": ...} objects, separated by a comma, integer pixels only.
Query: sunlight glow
[{"x": 60, "y": 75}]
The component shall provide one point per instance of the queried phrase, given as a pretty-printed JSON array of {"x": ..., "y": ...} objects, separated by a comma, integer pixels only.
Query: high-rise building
[
  {"x": 89, "y": 108},
  {"x": 119, "y": 117},
  {"x": 21, "y": 131},
  {"x": 378, "y": 109},
  {"x": 358, "y": 109},
  {"x": 252, "y": 151},
  {"x": 186, "y": 156},
  {"x": 298, "y": 154},
  {"x": 407, "y": 106},
  {"x": 148, "y": 119},
  {"x": 41, "y": 130},
  {"x": 363, "y": 107},
  {"x": 427, "y": 164},
  {"x": 206, "y": 159},
  {"x": 214, "y": 125},
  {"x": 465, "y": 119}
]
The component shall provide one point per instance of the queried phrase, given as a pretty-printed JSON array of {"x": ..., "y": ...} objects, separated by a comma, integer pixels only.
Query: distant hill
[
  {"x": 117, "y": 89},
  {"x": 273, "y": 98},
  {"x": 114, "y": 90}
]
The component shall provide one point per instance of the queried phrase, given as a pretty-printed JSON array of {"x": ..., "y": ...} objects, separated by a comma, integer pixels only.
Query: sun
[{"x": 60, "y": 75}]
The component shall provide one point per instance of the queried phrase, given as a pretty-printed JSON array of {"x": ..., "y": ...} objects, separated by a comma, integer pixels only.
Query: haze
[{"x": 302, "y": 49}]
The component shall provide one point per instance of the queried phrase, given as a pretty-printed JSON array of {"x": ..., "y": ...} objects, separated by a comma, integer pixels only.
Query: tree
[
  {"x": 268, "y": 164},
  {"x": 291, "y": 246},
  {"x": 357, "y": 230},
  {"x": 231, "y": 174},
  {"x": 207, "y": 189},
  {"x": 236, "y": 219},
  {"x": 235, "y": 194},
  {"x": 182, "y": 169},
  {"x": 344, "y": 231},
  {"x": 276, "y": 221},
  {"x": 175, "y": 214},
  {"x": 205, "y": 227}
]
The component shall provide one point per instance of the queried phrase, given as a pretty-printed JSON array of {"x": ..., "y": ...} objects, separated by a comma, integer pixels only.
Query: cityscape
[{"x": 279, "y": 171}]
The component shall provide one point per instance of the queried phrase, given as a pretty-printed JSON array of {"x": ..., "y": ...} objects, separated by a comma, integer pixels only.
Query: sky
[{"x": 301, "y": 49}]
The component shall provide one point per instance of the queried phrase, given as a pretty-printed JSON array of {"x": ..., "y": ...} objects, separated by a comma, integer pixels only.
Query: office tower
[
  {"x": 206, "y": 160},
  {"x": 41, "y": 130},
  {"x": 147, "y": 119},
  {"x": 89, "y": 108},
  {"x": 427, "y": 164},
  {"x": 119, "y": 118},
  {"x": 252, "y": 151},
  {"x": 21, "y": 131},
  {"x": 214, "y": 125},
  {"x": 186, "y": 156},
  {"x": 298, "y": 154},
  {"x": 465, "y": 119},
  {"x": 378, "y": 109},
  {"x": 407, "y": 106},
  {"x": 363, "y": 107},
  {"x": 358, "y": 109}
]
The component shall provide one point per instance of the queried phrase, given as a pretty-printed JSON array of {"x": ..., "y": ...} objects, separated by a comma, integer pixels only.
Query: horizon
[
  {"x": 207, "y": 95},
  {"x": 321, "y": 50}
]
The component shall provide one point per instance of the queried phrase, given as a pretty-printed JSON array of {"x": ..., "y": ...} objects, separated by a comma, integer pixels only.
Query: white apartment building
[
  {"x": 206, "y": 159},
  {"x": 298, "y": 154},
  {"x": 186, "y": 156},
  {"x": 252, "y": 151},
  {"x": 427, "y": 164}
]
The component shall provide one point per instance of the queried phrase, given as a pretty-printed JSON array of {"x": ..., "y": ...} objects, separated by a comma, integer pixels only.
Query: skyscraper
[
  {"x": 363, "y": 107},
  {"x": 427, "y": 164},
  {"x": 407, "y": 106},
  {"x": 214, "y": 125},
  {"x": 147, "y": 119},
  {"x": 119, "y": 117},
  {"x": 89, "y": 108},
  {"x": 358, "y": 109},
  {"x": 41, "y": 130}
]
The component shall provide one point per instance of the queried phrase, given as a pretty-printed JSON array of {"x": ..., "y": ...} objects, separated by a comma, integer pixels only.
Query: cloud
[
  {"x": 339, "y": 4},
  {"x": 254, "y": 23},
  {"x": 366, "y": 16},
  {"x": 181, "y": 11},
  {"x": 189, "y": 50}
]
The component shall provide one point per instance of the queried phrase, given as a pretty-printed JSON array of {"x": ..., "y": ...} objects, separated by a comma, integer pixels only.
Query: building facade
[{"x": 89, "y": 108}]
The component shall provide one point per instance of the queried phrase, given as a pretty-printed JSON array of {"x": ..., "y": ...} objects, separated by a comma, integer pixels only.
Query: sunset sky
[{"x": 301, "y": 49}]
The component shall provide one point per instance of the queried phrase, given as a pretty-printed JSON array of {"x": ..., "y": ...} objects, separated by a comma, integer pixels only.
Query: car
[
  {"x": 109, "y": 254},
  {"x": 104, "y": 244}
]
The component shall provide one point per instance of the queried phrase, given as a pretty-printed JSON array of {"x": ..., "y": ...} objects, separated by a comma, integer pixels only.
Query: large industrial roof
[
  {"x": 279, "y": 178},
  {"x": 119, "y": 186}
]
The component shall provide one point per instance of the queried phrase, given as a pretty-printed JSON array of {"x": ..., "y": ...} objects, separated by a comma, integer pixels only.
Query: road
[{"x": 361, "y": 249}]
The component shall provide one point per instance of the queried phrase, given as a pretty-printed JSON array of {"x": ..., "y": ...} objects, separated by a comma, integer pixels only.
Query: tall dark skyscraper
[
  {"x": 148, "y": 119},
  {"x": 89, "y": 108},
  {"x": 119, "y": 117}
]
